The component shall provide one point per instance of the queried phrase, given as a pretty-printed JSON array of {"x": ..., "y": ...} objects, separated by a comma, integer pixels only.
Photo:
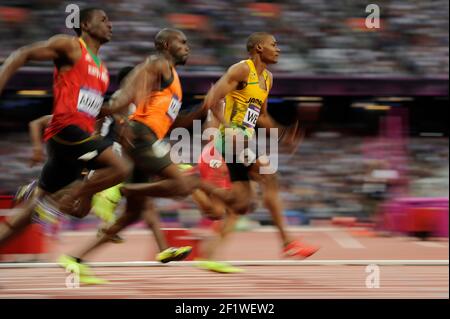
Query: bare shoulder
[
  {"x": 155, "y": 63},
  {"x": 64, "y": 41},
  {"x": 239, "y": 71}
]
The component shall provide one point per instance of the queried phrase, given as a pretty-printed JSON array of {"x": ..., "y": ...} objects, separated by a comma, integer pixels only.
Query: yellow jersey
[{"x": 243, "y": 106}]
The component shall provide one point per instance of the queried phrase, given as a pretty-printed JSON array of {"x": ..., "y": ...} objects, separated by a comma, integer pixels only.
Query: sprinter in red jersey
[{"x": 80, "y": 83}]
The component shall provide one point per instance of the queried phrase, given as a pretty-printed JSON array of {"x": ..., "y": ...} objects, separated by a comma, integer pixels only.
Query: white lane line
[
  {"x": 264, "y": 229},
  {"x": 337, "y": 262},
  {"x": 345, "y": 240}
]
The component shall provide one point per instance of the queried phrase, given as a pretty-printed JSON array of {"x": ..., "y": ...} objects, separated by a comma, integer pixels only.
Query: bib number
[
  {"x": 252, "y": 115},
  {"x": 174, "y": 108},
  {"x": 89, "y": 102}
]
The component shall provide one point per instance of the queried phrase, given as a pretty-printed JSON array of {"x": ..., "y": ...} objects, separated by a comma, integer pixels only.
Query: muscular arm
[
  {"x": 186, "y": 119},
  {"x": 200, "y": 112},
  {"x": 292, "y": 136},
  {"x": 135, "y": 88},
  {"x": 59, "y": 47},
  {"x": 36, "y": 128},
  {"x": 227, "y": 83},
  {"x": 265, "y": 120}
]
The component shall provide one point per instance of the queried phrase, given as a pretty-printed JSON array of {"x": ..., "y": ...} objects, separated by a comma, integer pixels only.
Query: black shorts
[
  {"x": 69, "y": 152},
  {"x": 150, "y": 155},
  {"x": 238, "y": 171}
]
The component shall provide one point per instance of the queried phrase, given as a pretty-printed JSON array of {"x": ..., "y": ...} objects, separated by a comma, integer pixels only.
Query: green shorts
[{"x": 150, "y": 155}]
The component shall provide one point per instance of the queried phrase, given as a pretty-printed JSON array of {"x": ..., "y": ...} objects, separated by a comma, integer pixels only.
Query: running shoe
[
  {"x": 220, "y": 267},
  {"x": 296, "y": 249},
  {"x": 86, "y": 275},
  {"x": 173, "y": 254}
]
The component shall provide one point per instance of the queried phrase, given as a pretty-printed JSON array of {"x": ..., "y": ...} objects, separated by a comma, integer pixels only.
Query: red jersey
[
  {"x": 212, "y": 167},
  {"x": 78, "y": 94}
]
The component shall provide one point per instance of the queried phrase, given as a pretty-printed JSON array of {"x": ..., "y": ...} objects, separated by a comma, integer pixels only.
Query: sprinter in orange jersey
[{"x": 154, "y": 86}]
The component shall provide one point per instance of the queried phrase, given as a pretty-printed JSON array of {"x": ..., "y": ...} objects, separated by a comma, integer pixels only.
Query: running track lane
[{"x": 260, "y": 282}]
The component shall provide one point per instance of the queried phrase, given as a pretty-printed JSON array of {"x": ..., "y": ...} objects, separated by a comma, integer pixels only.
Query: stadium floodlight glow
[
  {"x": 431, "y": 134},
  {"x": 361, "y": 105},
  {"x": 311, "y": 104},
  {"x": 394, "y": 99},
  {"x": 376, "y": 107},
  {"x": 305, "y": 98},
  {"x": 32, "y": 92}
]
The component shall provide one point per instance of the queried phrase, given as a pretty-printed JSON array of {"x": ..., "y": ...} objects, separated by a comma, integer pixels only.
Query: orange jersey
[{"x": 161, "y": 108}]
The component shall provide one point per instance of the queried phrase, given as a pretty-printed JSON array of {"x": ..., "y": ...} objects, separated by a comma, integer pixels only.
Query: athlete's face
[
  {"x": 99, "y": 26},
  {"x": 179, "y": 48},
  {"x": 270, "y": 50}
]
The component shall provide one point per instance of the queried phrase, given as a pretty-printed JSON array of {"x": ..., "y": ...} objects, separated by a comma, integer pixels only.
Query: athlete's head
[
  {"x": 95, "y": 22},
  {"x": 265, "y": 45},
  {"x": 173, "y": 42}
]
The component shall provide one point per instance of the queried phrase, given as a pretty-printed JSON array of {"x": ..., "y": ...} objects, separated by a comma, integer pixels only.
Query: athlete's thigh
[
  {"x": 149, "y": 154},
  {"x": 57, "y": 173},
  {"x": 106, "y": 157},
  {"x": 241, "y": 191}
]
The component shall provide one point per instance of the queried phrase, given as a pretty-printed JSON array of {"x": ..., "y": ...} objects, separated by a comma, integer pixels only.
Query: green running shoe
[
  {"x": 86, "y": 275},
  {"x": 219, "y": 267},
  {"x": 173, "y": 254}
]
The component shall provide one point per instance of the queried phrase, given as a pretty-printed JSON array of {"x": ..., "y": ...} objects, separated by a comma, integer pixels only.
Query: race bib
[
  {"x": 252, "y": 115},
  {"x": 174, "y": 108},
  {"x": 89, "y": 102}
]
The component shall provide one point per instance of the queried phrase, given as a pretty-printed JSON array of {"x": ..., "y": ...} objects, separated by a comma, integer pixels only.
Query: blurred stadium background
[{"x": 374, "y": 102}]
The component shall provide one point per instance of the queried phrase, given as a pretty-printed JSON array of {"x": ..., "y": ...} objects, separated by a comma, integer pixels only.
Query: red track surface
[{"x": 281, "y": 281}]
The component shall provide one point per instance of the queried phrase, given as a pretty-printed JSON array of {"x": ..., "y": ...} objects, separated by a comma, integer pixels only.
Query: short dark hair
[
  {"x": 85, "y": 15},
  {"x": 123, "y": 72},
  {"x": 256, "y": 38}
]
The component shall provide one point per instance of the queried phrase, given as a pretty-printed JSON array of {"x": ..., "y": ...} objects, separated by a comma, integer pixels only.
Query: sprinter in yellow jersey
[{"x": 245, "y": 88}]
